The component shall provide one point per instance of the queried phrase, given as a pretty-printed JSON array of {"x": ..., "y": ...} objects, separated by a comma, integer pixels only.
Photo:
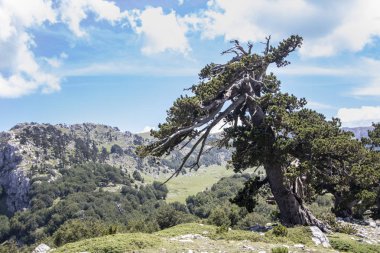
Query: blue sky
[{"x": 122, "y": 63}]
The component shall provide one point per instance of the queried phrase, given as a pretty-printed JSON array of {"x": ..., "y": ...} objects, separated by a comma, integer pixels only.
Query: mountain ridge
[{"x": 31, "y": 150}]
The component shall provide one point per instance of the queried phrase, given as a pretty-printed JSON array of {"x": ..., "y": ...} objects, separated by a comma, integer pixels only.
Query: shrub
[
  {"x": 345, "y": 228},
  {"x": 347, "y": 245},
  {"x": 280, "y": 250},
  {"x": 280, "y": 230},
  {"x": 167, "y": 216},
  {"x": 341, "y": 245},
  {"x": 137, "y": 176},
  {"x": 142, "y": 225},
  {"x": 219, "y": 217},
  {"x": 222, "y": 229},
  {"x": 116, "y": 149},
  {"x": 75, "y": 230},
  {"x": 252, "y": 219},
  {"x": 329, "y": 218},
  {"x": 4, "y": 227}
]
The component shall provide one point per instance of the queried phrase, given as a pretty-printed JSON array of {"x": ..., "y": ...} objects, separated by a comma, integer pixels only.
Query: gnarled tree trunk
[{"x": 292, "y": 209}]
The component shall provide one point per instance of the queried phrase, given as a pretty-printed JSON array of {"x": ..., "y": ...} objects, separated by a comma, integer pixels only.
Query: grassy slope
[
  {"x": 191, "y": 183},
  {"x": 232, "y": 241}
]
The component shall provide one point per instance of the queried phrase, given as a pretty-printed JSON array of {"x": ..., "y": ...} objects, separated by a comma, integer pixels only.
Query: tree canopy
[{"x": 302, "y": 152}]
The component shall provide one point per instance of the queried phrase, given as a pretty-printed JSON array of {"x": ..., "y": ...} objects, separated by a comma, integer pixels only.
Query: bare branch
[
  {"x": 267, "y": 45},
  {"x": 203, "y": 138}
]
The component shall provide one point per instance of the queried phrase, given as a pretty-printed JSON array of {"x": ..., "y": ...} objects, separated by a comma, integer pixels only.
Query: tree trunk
[
  {"x": 343, "y": 206},
  {"x": 292, "y": 210}
]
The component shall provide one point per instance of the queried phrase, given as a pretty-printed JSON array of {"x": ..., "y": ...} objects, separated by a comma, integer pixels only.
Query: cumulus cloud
[
  {"x": 147, "y": 129},
  {"x": 20, "y": 72},
  {"x": 161, "y": 32},
  {"x": 328, "y": 27},
  {"x": 248, "y": 20},
  {"x": 362, "y": 116},
  {"x": 358, "y": 26},
  {"x": 73, "y": 12}
]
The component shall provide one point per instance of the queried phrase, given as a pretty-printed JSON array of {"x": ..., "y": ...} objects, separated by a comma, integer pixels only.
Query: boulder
[
  {"x": 42, "y": 248},
  {"x": 319, "y": 237}
]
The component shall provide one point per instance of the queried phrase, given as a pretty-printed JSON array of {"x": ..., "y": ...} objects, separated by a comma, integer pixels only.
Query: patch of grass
[
  {"x": 295, "y": 235},
  {"x": 239, "y": 235},
  {"x": 118, "y": 243},
  {"x": 191, "y": 183},
  {"x": 344, "y": 243},
  {"x": 280, "y": 250},
  {"x": 230, "y": 241},
  {"x": 188, "y": 228}
]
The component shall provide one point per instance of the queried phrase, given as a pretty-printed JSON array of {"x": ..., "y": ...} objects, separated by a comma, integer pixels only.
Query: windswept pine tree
[{"x": 302, "y": 153}]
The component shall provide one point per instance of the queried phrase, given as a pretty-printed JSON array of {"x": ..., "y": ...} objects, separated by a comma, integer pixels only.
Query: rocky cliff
[{"x": 30, "y": 151}]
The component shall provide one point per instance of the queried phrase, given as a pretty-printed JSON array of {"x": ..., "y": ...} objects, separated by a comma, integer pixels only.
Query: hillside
[
  {"x": 195, "y": 237},
  {"x": 32, "y": 150},
  {"x": 359, "y": 132}
]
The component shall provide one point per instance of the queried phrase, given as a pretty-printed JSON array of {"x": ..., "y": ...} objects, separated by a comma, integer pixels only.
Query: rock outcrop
[
  {"x": 42, "y": 248},
  {"x": 319, "y": 237},
  {"x": 31, "y": 151}
]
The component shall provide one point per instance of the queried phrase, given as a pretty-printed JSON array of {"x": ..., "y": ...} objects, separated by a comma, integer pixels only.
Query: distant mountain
[
  {"x": 31, "y": 150},
  {"x": 359, "y": 132}
]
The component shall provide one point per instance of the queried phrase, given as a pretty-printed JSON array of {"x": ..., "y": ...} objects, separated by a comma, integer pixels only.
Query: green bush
[
  {"x": 222, "y": 229},
  {"x": 345, "y": 228},
  {"x": 75, "y": 230},
  {"x": 347, "y": 245},
  {"x": 167, "y": 216},
  {"x": 4, "y": 227},
  {"x": 280, "y": 230},
  {"x": 328, "y": 217},
  {"x": 219, "y": 217},
  {"x": 280, "y": 250},
  {"x": 137, "y": 176},
  {"x": 252, "y": 219},
  {"x": 143, "y": 225}
]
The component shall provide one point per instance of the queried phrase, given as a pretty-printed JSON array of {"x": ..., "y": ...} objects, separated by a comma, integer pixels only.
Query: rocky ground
[
  {"x": 192, "y": 238},
  {"x": 367, "y": 231}
]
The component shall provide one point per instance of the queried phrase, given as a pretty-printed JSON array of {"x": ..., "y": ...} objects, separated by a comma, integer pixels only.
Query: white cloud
[
  {"x": 54, "y": 62},
  {"x": 370, "y": 90},
  {"x": 370, "y": 68},
  {"x": 147, "y": 129},
  {"x": 328, "y": 27},
  {"x": 362, "y": 116},
  {"x": 248, "y": 20},
  {"x": 161, "y": 32},
  {"x": 358, "y": 26},
  {"x": 128, "y": 67},
  {"x": 20, "y": 72},
  {"x": 74, "y": 11}
]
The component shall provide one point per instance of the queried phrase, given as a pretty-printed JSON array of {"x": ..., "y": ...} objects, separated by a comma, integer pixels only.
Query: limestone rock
[
  {"x": 42, "y": 248},
  {"x": 319, "y": 237},
  {"x": 299, "y": 245}
]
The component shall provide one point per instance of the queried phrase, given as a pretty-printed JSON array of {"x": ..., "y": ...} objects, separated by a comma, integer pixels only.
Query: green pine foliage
[{"x": 91, "y": 198}]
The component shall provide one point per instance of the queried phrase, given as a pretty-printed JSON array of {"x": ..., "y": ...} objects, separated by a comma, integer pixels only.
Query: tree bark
[{"x": 292, "y": 210}]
